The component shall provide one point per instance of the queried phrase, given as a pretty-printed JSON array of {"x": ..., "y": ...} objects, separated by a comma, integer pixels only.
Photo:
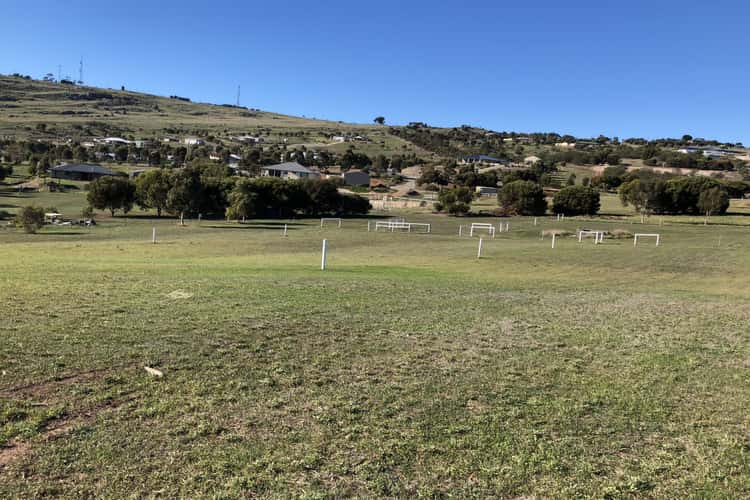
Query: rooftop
[
  {"x": 290, "y": 166},
  {"x": 83, "y": 168},
  {"x": 486, "y": 158}
]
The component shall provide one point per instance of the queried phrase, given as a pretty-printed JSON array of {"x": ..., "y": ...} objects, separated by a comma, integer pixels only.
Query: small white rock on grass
[{"x": 154, "y": 371}]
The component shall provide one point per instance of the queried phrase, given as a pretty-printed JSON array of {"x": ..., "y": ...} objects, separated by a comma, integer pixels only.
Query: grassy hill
[{"x": 32, "y": 109}]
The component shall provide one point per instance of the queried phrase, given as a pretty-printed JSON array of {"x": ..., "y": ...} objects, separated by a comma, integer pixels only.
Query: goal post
[
  {"x": 481, "y": 226},
  {"x": 646, "y": 235},
  {"x": 598, "y": 235},
  {"x": 330, "y": 220}
]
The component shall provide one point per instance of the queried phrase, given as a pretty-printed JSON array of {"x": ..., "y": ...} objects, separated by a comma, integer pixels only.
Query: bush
[
  {"x": 30, "y": 218},
  {"x": 522, "y": 198},
  {"x": 613, "y": 177},
  {"x": 621, "y": 234},
  {"x": 5, "y": 172},
  {"x": 455, "y": 201},
  {"x": 576, "y": 200}
]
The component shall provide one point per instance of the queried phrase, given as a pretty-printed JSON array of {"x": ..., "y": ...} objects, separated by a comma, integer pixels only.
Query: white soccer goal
[
  {"x": 393, "y": 226},
  {"x": 598, "y": 235},
  {"x": 480, "y": 226},
  {"x": 646, "y": 235},
  {"x": 330, "y": 220}
]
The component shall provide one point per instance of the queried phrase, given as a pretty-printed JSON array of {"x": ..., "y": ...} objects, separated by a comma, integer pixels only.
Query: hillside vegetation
[{"x": 32, "y": 109}]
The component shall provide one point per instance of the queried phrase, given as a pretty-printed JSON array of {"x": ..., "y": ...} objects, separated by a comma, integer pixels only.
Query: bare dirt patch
[{"x": 13, "y": 452}]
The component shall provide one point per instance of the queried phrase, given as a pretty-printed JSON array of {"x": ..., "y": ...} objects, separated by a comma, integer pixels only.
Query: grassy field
[{"x": 407, "y": 368}]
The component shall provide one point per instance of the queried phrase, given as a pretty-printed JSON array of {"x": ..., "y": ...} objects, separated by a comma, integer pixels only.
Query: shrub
[
  {"x": 621, "y": 234},
  {"x": 455, "y": 201},
  {"x": 5, "y": 172},
  {"x": 522, "y": 198},
  {"x": 576, "y": 200},
  {"x": 30, "y": 218}
]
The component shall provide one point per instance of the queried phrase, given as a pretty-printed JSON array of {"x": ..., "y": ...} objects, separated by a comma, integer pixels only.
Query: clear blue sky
[{"x": 632, "y": 68}]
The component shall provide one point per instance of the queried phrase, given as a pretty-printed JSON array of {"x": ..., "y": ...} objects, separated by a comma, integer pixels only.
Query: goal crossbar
[
  {"x": 481, "y": 226},
  {"x": 646, "y": 235},
  {"x": 402, "y": 225},
  {"x": 324, "y": 220},
  {"x": 598, "y": 235}
]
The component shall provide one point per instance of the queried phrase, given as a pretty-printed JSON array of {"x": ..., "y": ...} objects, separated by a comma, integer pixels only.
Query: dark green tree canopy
[
  {"x": 576, "y": 200},
  {"x": 111, "y": 193},
  {"x": 522, "y": 198}
]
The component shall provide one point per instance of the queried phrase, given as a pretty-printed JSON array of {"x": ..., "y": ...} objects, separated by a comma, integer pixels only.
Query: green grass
[{"x": 407, "y": 368}]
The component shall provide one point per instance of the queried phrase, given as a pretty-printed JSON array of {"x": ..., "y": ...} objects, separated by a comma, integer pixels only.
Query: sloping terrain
[{"x": 31, "y": 109}]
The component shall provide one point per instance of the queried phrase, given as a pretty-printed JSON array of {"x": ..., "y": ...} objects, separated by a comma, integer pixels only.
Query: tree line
[
  {"x": 206, "y": 190},
  {"x": 676, "y": 195},
  {"x": 524, "y": 197}
]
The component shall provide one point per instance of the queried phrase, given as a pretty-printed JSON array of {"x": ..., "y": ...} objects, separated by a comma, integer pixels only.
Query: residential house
[
  {"x": 288, "y": 170},
  {"x": 481, "y": 159},
  {"x": 80, "y": 172}
]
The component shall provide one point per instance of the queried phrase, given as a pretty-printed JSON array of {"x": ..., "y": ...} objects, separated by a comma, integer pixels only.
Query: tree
[
  {"x": 522, "y": 198},
  {"x": 612, "y": 177},
  {"x": 111, "y": 193},
  {"x": 152, "y": 189},
  {"x": 380, "y": 164},
  {"x": 121, "y": 153},
  {"x": 184, "y": 195},
  {"x": 576, "y": 200},
  {"x": 713, "y": 201},
  {"x": 380, "y": 120},
  {"x": 324, "y": 196},
  {"x": 354, "y": 205},
  {"x": 243, "y": 200},
  {"x": 571, "y": 180},
  {"x": 5, "y": 172},
  {"x": 397, "y": 163},
  {"x": 647, "y": 195},
  {"x": 455, "y": 201},
  {"x": 351, "y": 159},
  {"x": 43, "y": 166},
  {"x": 30, "y": 218},
  {"x": 431, "y": 175},
  {"x": 686, "y": 191},
  {"x": 154, "y": 158}
]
